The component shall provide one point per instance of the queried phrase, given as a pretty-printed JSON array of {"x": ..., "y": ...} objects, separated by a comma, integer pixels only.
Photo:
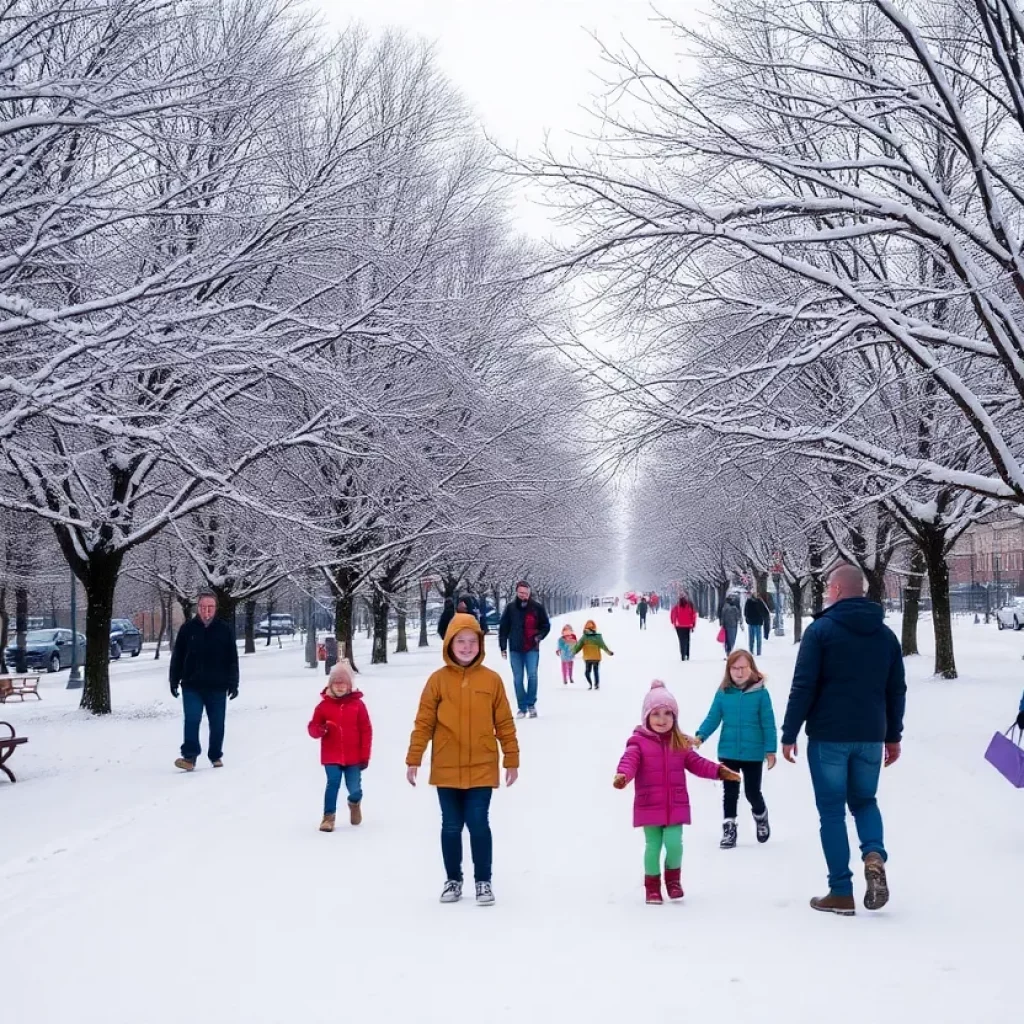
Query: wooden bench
[
  {"x": 20, "y": 687},
  {"x": 7, "y": 745}
]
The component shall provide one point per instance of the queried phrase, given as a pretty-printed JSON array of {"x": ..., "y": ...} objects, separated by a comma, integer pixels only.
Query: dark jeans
[
  {"x": 754, "y": 634},
  {"x": 466, "y": 808},
  {"x": 526, "y": 696},
  {"x": 730, "y": 640},
  {"x": 593, "y": 672},
  {"x": 846, "y": 775},
  {"x": 215, "y": 704},
  {"x": 752, "y": 771},
  {"x": 684, "y": 642},
  {"x": 353, "y": 778},
  {"x": 643, "y": 621}
]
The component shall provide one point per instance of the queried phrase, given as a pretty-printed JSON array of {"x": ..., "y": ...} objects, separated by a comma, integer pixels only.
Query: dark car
[
  {"x": 48, "y": 649},
  {"x": 125, "y": 638}
]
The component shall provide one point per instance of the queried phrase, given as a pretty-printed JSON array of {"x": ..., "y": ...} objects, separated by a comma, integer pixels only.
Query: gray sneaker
[
  {"x": 484, "y": 894},
  {"x": 452, "y": 892},
  {"x": 532, "y": 712}
]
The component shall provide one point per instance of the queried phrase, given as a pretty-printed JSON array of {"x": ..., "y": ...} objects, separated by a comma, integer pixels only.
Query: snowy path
[{"x": 130, "y": 894}]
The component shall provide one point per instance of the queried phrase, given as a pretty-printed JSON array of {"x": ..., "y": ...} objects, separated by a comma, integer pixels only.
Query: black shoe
[
  {"x": 764, "y": 831},
  {"x": 728, "y": 834}
]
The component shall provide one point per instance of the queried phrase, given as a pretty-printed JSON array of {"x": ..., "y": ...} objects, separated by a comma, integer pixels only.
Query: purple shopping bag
[{"x": 1007, "y": 757}]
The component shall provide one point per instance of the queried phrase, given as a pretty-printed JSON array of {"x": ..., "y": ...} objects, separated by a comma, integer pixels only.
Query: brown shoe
[
  {"x": 185, "y": 766},
  {"x": 218, "y": 763},
  {"x": 877, "y": 894},
  {"x": 327, "y": 825},
  {"x": 355, "y": 813},
  {"x": 833, "y": 904}
]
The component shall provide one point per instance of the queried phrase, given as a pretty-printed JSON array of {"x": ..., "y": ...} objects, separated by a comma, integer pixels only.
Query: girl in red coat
[
  {"x": 342, "y": 725},
  {"x": 684, "y": 618}
]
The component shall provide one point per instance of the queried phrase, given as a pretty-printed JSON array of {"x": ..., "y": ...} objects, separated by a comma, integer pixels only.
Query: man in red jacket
[{"x": 342, "y": 725}]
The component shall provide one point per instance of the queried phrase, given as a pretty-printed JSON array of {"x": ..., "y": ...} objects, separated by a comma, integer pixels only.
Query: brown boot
[
  {"x": 355, "y": 813},
  {"x": 833, "y": 904},
  {"x": 185, "y": 766},
  {"x": 327, "y": 825},
  {"x": 877, "y": 894}
]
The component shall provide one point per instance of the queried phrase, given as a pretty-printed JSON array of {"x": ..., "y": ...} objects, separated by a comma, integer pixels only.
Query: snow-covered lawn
[{"x": 132, "y": 894}]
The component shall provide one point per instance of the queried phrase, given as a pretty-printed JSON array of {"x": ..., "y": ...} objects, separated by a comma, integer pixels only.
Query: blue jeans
[
  {"x": 525, "y": 696},
  {"x": 194, "y": 703},
  {"x": 846, "y": 774},
  {"x": 466, "y": 808},
  {"x": 353, "y": 776},
  {"x": 754, "y": 636}
]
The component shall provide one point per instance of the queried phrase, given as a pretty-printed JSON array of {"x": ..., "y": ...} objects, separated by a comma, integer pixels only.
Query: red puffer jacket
[
  {"x": 684, "y": 617},
  {"x": 342, "y": 725}
]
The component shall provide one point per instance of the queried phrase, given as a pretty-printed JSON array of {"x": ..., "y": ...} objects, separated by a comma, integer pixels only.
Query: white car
[
  {"x": 1011, "y": 615},
  {"x": 276, "y": 625}
]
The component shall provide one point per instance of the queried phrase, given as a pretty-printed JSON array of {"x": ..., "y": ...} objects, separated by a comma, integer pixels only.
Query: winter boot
[
  {"x": 452, "y": 891},
  {"x": 877, "y": 894},
  {"x": 218, "y": 763},
  {"x": 532, "y": 712},
  {"x": 764, "y": 830},
  {"x": 833, "y": 904},
  {"x": 327, "y": 825},
  {"x": 728, "y": 834},
  {"x": 484, "y": 894},
  {"x": 355, "y": 813},
  {"x": 652, "y": 886},
  {"x": 185, "y": 765},
  {"x": 673, "y": 883}
]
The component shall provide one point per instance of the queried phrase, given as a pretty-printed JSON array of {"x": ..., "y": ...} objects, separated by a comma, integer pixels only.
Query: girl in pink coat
[{"x": 657, "y": 757}]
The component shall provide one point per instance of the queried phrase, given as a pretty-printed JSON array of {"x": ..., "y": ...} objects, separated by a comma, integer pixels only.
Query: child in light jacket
[
  {"x": 743, "y": 708},
  {"x": 658, "y": 756},
  {"x": 566, "y": 653}
]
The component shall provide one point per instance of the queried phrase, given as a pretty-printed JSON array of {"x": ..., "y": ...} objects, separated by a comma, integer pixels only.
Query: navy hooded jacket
[{"x": 849, "y": 684}]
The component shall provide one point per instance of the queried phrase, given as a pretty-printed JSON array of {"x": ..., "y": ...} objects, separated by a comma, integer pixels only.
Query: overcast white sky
[{"x": 527, "y": 66}]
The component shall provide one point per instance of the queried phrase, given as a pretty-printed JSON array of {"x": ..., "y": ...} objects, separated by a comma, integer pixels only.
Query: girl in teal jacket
[{"x": 743, "y": 708}]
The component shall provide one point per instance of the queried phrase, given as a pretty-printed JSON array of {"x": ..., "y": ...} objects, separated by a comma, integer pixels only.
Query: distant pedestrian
[
  {"x": 684, "y": 619},
  {"x": 464, "y": 716},
  {"x": 1020, "y": 714},
  {"x": 743, "y": 708},
  {"x": 755, "y": 614},
  {"x": 567, "y": 653},
  {"x": 204, "y": 665},
  {"x": 342, "y": 725},
  {"x": 641, "y": 609},
  {"x": 447, "y": 614},
  {"x": 655, "y": 602},
  {"x": 730, "y": 622},
  {"x": 524, "y": 624},
  {"x": 850, "y": 689},
  {"x": 657, "y": 757},
  {"x": 592, "y": 644}
]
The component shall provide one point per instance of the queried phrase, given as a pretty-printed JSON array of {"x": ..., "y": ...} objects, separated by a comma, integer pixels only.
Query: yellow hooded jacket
[{"x": 464, "y": 713}]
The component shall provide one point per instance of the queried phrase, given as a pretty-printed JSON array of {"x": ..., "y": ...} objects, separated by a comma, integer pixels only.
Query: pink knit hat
[{"x": 657, "y": 698}]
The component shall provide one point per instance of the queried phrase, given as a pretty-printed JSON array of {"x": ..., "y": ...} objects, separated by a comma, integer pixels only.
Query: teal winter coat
[{"x": 747, "y": 721}]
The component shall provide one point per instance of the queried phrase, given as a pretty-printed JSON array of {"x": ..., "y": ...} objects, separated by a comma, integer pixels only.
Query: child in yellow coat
[{"x": 592, "y": 644}]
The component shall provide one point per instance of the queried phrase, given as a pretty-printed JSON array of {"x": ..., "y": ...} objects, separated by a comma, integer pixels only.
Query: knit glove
[
  {"x": 620, "y": 781},
  {"x": 727, "y": 774},
  {"x": 174, "y": 690},
  {"x": 233, "y": 693}
]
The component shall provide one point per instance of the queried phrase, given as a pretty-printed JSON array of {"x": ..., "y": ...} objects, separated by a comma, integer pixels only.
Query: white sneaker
[
  {"x": 452, "y": 892},
  {"x": 484, "y": 894},
  {"x": 520, "y": 714}
]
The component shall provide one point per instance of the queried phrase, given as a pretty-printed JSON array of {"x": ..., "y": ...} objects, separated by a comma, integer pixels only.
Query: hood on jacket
[
  {"x": 351, "y": 695},
  {"x": 857, "y": 614},
  {"x": 461, "y": 621}
]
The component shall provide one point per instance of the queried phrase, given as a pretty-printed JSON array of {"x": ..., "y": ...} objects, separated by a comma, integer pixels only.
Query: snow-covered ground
[{"x": 132, "y": 893}]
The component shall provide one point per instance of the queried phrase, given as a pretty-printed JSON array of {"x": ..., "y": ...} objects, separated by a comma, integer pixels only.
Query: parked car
[
  {"x": 1011, "y": 615},
  {"x": 276, "y": 625},
  {"x": 125, "y": 637},
  {"x": 48, "y": 649}
]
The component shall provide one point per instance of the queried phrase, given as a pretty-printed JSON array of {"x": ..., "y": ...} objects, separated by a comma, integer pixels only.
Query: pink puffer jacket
[{"x": 660, "y": 774}]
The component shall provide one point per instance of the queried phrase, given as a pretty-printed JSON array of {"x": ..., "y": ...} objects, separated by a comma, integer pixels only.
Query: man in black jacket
[
  {"x": 204, "y": 664},
  {"x": 850, "y": 689},
  {"x": 524, "y": 624}
]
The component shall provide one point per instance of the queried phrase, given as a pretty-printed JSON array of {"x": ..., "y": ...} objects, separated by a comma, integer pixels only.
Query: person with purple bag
[
  {"x": 1020, "y": 714},
  {"x": 850, "y": 689}
]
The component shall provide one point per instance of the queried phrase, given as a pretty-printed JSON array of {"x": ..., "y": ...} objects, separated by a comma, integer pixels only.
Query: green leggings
[{"x": 672, "y": 839}]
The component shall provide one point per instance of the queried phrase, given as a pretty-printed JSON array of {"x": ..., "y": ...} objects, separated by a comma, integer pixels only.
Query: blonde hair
[
  {"x": 678, "y": 739},
  {"x": 756, "y": 675}
]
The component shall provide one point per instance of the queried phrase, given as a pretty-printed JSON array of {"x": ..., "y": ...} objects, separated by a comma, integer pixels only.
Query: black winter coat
[
  {"x": 510, "y": 630},
  {"x": 205, "y": 657}
]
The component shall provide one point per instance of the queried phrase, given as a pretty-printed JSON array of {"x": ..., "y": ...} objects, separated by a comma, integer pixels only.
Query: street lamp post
[
  {"x": 75, "y": 676},
  {"x": 974, "y": 596}
]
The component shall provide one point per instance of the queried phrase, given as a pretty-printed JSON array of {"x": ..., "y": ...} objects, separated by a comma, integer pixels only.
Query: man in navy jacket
[{"x": 849, "y": 688}]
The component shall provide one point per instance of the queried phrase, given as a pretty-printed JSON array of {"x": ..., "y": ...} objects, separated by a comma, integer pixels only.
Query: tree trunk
[
  {"x": 270, "y": 616},
  {"x": 165, "y": 619},
  {"x": 876, "y": 585},
  {"x": 5, "y": 621},
  {"x": 99, "y": 584},
  {"x": 380, "y": 608},
  {"x": 424, "y": 641},
  {"x": 250, "y": 627},
  {"x": 21, "y": 629},
  {"x": 796, "y": 594},
  {"x": 227, "y": 607},
  {"x": 187, "y": 607},
  {"x": 402, "y": 646},
  {"x": 938, "y": 584},
  {"x": 912, "y": 602},
  {"x": 344, "y": 627}
]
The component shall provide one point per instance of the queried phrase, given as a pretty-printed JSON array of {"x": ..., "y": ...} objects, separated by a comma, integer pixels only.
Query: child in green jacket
[
  {"x": 592, "y": 644},
  {"x": 743, "y": 708}
]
